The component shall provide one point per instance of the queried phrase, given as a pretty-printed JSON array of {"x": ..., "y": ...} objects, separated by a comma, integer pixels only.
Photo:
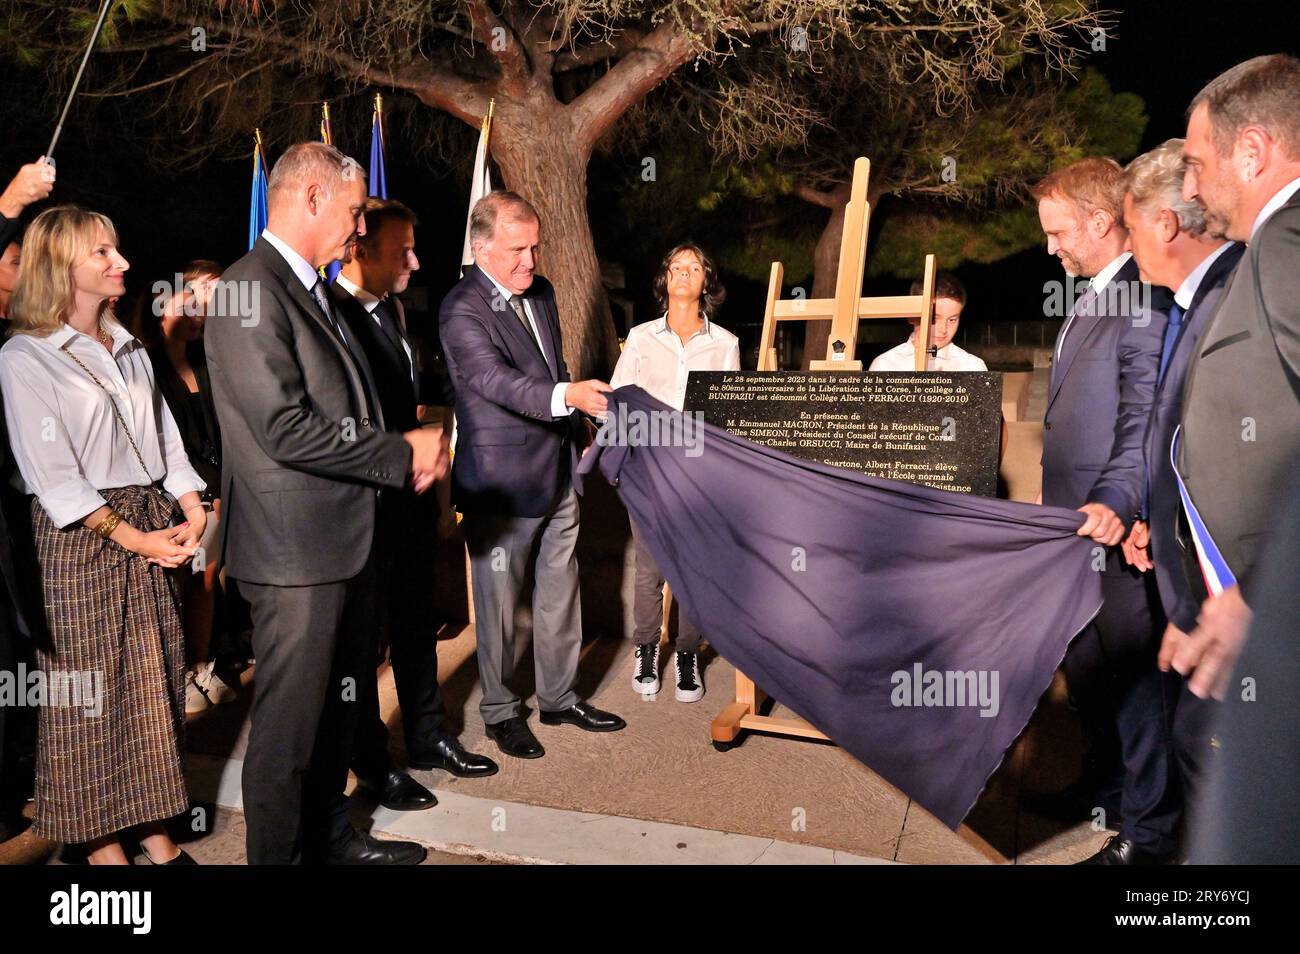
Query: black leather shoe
[
  {"x": 513, "y": 737},
  {"x": 448, "y": 755},
  {"x": 181, "y": 859},
  {"x": 361, "y": 849},
  {"x": 585, "y": 716},
  {"x": 1121, "y": 851},
  {"x": 399, "y": 792}
]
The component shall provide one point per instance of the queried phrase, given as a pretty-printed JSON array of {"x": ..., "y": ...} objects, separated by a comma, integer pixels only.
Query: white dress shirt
[
  {"x": 655, "y": 359},
  {"x": 308, "y": 276},
  {"x": 1099, "y": 282},
  {"x": 65, "y": 438},
  {"x": 1280, "y": 198},
  {"x": 369, "y": 302},
  {"x": 558, "y": 407},
  {"x": 1187, "y": 290},
  {"x": 949, "y": 358}
]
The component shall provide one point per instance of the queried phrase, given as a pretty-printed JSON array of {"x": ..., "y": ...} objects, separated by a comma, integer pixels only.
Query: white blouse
[
  {"x": 655, "y": 359},
  {"x": 67, "y": 442}
]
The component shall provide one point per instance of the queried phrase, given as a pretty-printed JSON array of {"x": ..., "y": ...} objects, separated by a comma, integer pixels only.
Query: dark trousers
[
  {"x": 311, "y": 644},
  {"x": 407, "y": 536},
  {"x": 1126, "y": 706},
  {"x": 648, "y": 602},
  {"x": 1193, "y": 734}
]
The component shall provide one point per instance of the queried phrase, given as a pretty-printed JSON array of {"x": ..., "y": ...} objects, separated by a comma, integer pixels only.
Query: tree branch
[
  {"x": 515, "y": 72},
  {"x": 606, "y": 49},
  {"x": 646, "y": 66},
  {"x": 826, "y": 199}
]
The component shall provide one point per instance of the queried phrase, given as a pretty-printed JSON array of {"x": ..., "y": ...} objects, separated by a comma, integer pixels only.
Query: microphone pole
[{"x": 72, "y": 93}]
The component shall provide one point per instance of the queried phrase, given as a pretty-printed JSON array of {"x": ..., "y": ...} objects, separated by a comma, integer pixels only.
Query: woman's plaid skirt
[{"x": 109, "y": 756}]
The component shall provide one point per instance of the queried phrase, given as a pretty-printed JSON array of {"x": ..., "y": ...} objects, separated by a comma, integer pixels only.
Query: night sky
[{"x": 1163, "y": 50}]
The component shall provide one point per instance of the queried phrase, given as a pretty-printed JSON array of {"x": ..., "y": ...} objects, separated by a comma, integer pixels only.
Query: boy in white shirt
[{"x": 949, "y": 300}]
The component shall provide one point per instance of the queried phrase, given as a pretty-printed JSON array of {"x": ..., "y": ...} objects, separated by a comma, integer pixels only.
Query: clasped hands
[{"x": 430, "y": 456}]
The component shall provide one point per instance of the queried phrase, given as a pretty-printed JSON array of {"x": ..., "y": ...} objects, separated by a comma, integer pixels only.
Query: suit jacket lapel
[
  {"x": 307, "y": 304},
  {"x": 1081, "y": 325},
  {"x": 504, "y": 316}
]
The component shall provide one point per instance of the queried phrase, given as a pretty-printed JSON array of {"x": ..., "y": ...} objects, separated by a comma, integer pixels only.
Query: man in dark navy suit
[
  {"x": 515, "y": 467},
  {"x": 1173, "y": 250},
  {"x": 365, "y": 294},
  {"x": 1099, "y": 399}
]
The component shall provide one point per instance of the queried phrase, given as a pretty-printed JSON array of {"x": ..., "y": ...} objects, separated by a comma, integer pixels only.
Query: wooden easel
[{"x": 844, "y": 311}]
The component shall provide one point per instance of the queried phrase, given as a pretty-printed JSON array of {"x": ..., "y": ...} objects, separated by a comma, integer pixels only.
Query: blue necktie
[{"x": 1171, "y": 339}]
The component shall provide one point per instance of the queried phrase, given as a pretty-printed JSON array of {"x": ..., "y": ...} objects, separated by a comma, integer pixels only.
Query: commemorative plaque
[{"x": 940, "y": 429}]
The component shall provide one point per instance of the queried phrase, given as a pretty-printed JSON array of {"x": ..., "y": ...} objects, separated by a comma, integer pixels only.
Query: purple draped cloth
[{"x": 845, "y": 597}]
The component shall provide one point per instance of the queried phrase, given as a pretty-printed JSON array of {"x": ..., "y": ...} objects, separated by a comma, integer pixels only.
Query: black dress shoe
[
  {"x": 1121, "y": 851},
  {"x": 398, "y": 792},
  {"x": 181, "y": 859},
  {"x": 361, "y": 849},
  {"x": 585, "y": 716},
  {"x": 514, "y": 737},
  {"x": 448, "y": 755}
]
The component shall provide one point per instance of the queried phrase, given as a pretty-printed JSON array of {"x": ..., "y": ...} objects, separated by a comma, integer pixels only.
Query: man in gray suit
[
  {"x": 515, "y": 473},
  {"x": 1241, "y": 415},
  {"x": 305, "y": 457},
  {"x": 1174, "y": 251},
  {"x": 1099, "y": 398}
]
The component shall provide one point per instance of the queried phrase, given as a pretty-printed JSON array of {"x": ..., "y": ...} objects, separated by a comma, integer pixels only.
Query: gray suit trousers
[{"x": 503, "y": 551}]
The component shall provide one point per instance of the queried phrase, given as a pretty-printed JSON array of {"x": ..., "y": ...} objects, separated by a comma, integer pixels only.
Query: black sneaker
[
  {"x": 690, "y": 687},
  {"x": 645, "y": 676}
]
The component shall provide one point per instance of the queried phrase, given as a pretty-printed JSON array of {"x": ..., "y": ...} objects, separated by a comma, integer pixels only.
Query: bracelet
[{"x": 109, "y": 524}]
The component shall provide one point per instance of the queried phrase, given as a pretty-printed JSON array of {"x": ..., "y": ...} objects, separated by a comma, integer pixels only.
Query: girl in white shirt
[
  {"x": 657, "y": 357},
  {"x": 97, "y": 448}
]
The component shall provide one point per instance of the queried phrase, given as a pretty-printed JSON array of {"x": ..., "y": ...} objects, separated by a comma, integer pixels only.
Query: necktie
[
  {"x": 517, "y": 303},
  {"x": 318, "y": 292},
  {"x": 367, "y": 382},
  {"x": 388, "y": 324},
  {"x": 1171, "y": 339}
]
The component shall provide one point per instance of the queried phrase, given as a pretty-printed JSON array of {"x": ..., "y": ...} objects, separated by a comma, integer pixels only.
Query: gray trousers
[
  {"x": 502, "y": 553},
  {"x": 648, "y": 602}
]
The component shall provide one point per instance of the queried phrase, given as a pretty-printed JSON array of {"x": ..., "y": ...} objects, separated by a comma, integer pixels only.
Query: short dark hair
[
  {"x": 379, "y": 212},
  {"x": 946, "y": 285},
  {"x": 712, "y": 295},
  {"x": 1262, "y": 91}
]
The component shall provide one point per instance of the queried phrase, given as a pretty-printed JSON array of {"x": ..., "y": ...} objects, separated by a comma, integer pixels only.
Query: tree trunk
[
  {"x": 535, "y": 150},
  {"x": 826, "y": 263}
]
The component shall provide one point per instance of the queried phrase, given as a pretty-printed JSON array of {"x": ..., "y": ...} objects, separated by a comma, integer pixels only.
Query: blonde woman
[{"x": 101, "y": 454}]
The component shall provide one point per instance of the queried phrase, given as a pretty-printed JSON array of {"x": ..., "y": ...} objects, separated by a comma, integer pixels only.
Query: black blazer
[
  {"x": 302, "y": 456},
  {"x": 22, "y": 605},
  {"x": 1179, "y": 602},
  {"x": 200, "y": 433},
  {"x": 513, "y": 459},
  {"x": 397, "y": 391}
]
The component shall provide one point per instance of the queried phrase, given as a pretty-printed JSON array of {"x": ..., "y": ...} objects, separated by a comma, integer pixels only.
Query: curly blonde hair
[{"x": 53, "y": 245}]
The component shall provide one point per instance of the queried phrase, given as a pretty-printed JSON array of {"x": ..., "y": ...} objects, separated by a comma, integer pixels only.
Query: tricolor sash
[{"x": 1214, "y": 568}]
